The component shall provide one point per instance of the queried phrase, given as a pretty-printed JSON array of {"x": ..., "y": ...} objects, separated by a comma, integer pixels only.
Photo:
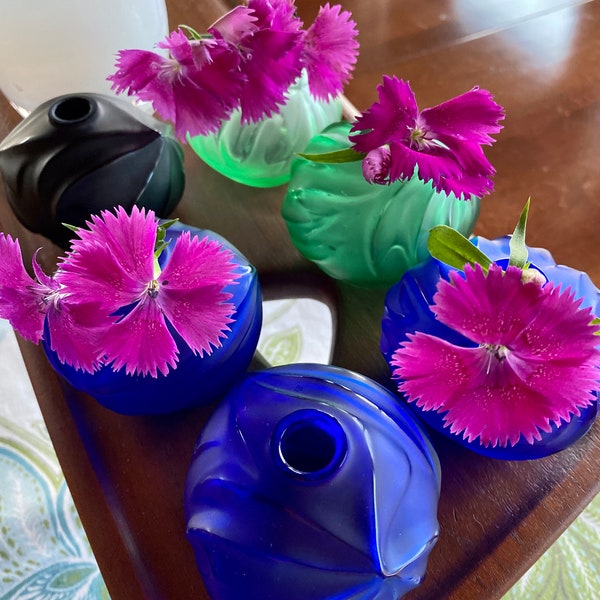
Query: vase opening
[
  {"x": 71, "y": 110},
  {"x": 310, "y": 444}
]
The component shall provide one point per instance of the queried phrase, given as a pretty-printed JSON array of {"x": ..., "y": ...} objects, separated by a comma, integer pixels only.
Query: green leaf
[
  {"x": 71, "y": 227},
  {"x": 518, "y": 249},
  {"x": 451, "y": 247},
  {"x": 164, "y": 225},
  {"x": 161, "y": 233},
  {"x": 336, "y": 156},
  {"x": 596, "y": 321},
  {"x": 159, "y": 248},
  {"x": 194, "y": 35}
]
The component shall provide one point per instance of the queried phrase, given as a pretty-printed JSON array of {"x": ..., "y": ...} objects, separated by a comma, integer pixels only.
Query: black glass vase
[{"x": 77, "y": 155}]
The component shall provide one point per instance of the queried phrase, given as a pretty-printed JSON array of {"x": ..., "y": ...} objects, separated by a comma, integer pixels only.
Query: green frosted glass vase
[
  {"x": 260, "y": 154},
  {"x": 366, "y": 234}
]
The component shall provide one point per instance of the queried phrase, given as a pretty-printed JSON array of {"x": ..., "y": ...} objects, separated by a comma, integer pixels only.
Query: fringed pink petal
[
  {"x": 557, "y": 353},
  {"x": 402, "y": 163},
  {"x": 430, "y": 370},
  {"x": 499, "y": 416},
  {"x": 200, "y": 316},
  {"x": 391, "y": 118},
  {"x": 235, "y": 25},
  {"x": 24, "y": 310},
  {"x": 141, "y": 342},
  {"x": 482, "y": 399},
  {"x": 196, "y": 262},
  {"x": 273, "y": 67},
  {"x": 21, "y": 297},
  {"x": 468, "y": 155},
  {"x": 136, "y": 70},
  {"x": 561, "y": 331},
  {"x": 99, "y": 277},
  {"x": 567, "y": 385},
  {"x": 46, "y": 282},
  {"x": 466, "y": 187},
  {"x": 206, "y": 95},
  {"x": 488, "y": 309},
  {"x": 330, "y": 51},
  {"x": 470, "y": 117},
  {"x": 191, "y": 291},
  {"x": 113, "y": 260},
  {"x": 436, "y": 167},
  {"x": 129, "y": 236},
  {"x": 76, "y": 331},
  {"x": 271, "y": 58},
  {"x": 475, "y": 170},
  {"x": 12, "y": 270}
]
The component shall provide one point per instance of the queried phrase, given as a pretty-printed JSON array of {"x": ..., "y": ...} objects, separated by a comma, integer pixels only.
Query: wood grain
[{"x": 540, "y": 59}]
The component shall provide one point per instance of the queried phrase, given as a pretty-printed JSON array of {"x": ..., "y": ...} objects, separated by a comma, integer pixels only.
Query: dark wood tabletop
[{"x": 541, "y": 61}]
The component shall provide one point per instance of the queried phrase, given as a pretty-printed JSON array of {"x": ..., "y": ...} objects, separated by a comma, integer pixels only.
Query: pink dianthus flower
[
  {"x": 270, "y": 50},
  {"x": 247, "y": 61},
  {"x": 440, "y": 144},
  {"x": 113, "y": 263},
  {"x": 194, "y": 88},
  {"x": 29, "y": 304},
  {"x": 535, "y": 364}
]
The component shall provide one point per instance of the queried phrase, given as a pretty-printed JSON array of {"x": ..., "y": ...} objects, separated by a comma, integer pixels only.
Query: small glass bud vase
[
  {"x": 260, "y": 154},
  {"x": 311, "y": 482},
  {"x": 75, "y": 154},
  {"x": 366, "y": 234},
  {"x": 407, "y": 311},
  {"x": 198, "y": 379}
]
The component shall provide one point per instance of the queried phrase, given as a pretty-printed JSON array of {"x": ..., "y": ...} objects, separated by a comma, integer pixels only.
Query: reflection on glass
[{"x": 533, "y": 31}]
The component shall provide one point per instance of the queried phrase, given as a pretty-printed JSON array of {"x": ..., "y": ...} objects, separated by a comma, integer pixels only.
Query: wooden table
[{"x": 541, "y": 62}]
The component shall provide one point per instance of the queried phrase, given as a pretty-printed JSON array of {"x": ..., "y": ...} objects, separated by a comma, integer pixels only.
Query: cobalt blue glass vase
[
  {"x": 197, "y": 379},
  {"x": 407, "y": 311},
  {"x": 311, "y": 482}
]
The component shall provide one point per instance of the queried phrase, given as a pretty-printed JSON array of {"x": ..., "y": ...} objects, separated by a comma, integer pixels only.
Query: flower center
[
  {"x": 50, "y": 300},
  {"x": 153, "y": 288},
  {"x": 416, "y": 137},
  {"x": 170, "y": 70},
  {"x": 498, "y": 351},
  {"x": 423, "y": 139}
]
